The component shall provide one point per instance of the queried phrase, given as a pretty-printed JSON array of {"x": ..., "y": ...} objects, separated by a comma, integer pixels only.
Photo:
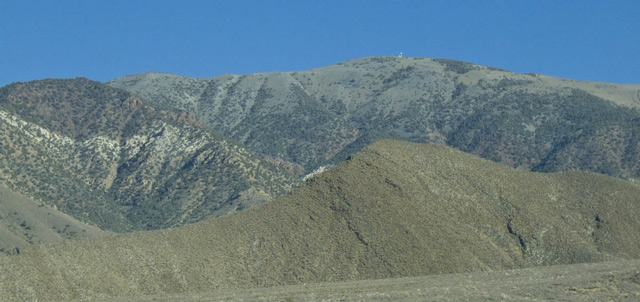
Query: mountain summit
[{"x": 319, "y": 117}]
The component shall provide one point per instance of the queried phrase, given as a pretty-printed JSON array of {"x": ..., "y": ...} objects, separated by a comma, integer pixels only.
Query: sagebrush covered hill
[
  {"x": 393, "y": 209},
  {"x": 105, "y": 157},
  {"x": 318, "y": 117}
]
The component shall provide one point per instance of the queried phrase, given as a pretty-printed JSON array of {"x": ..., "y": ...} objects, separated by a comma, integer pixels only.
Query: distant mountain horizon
[
  {"x": 105, "y": 81},
  {"x": 365, "y": 58}
]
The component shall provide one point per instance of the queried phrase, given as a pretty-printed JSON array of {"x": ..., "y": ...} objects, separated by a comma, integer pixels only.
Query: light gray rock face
[{"x": 108, "y": 159}]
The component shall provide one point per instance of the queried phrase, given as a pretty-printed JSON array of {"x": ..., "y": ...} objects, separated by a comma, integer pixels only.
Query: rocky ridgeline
[
  {"x": 135, "y": 168},
  {"x": 321, "y": 116}
]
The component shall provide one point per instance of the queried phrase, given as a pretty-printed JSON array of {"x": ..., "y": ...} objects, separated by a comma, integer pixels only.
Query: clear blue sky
[{"x": 102, "y": 40}]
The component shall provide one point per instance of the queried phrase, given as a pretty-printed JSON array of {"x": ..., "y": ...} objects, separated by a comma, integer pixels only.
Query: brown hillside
[
  {"x": 23, "y": 222},
  {"x": 394, "y": 209}
]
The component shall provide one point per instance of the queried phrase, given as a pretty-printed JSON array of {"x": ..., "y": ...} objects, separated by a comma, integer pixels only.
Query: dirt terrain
[{"x": 605, "y": 281}]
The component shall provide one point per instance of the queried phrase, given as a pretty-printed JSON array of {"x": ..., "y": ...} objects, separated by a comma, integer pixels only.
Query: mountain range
[
  {"x": 155, "y": 151},
  {"x": 262, "y": 184}
]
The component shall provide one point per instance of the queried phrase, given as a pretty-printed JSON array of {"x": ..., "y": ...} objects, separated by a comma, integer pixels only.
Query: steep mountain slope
[
  {"x": 393, "y": 209},
  {"x": 321, "y": 116},
  {"x": 103, "y": 156},
  {"x": 24, "y": 222}
]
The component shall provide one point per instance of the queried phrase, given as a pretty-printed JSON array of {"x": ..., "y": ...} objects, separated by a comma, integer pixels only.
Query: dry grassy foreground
[{"x": 604, "y": 281}]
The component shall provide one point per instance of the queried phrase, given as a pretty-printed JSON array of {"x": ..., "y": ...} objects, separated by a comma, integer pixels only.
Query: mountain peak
[{"x": 319, "y": 117}]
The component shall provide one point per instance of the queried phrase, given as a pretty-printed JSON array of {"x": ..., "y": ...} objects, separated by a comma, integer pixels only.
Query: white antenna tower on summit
[{"x": 400, "y": 55}]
